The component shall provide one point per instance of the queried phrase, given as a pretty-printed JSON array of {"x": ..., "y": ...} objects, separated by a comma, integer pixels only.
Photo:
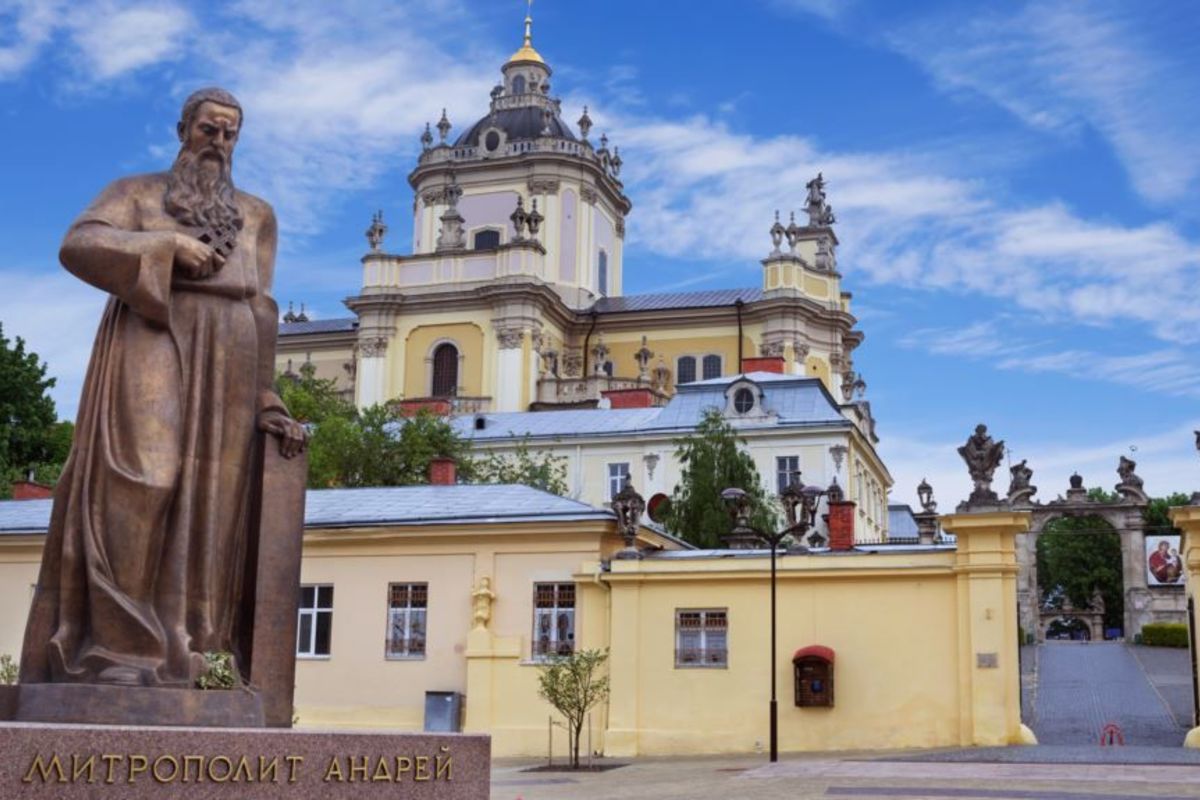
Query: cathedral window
[
  {"x": 445, "y": 370},
  {"x": 617, "y": 473},
  {"x": 602, "y": 274},
  {"x": 519, "y": 84},
  {"x": 743, "y": 401},
  {"x": 488, "y": 239},
  {"x": 712, "y": 367},
  {"x": 685, "y": 369}
]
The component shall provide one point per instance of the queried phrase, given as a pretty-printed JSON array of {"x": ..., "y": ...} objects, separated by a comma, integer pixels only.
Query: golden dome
[{"x": 527, "y": 53}]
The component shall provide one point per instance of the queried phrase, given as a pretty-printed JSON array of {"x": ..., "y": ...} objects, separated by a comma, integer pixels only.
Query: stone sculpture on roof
[
  {"x": 1020, "y": 490},
  {"x": 982, "y": 456}
]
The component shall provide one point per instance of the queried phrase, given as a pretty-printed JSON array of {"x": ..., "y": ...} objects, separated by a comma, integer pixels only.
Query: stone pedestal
[
  {"x": 1187, "y": 519},
  {"x": 69, "y": 763},
  {"x": 989, "y": 669}
]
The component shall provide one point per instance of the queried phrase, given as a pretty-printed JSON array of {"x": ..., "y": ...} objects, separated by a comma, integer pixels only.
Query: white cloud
[
  {"x": 116, "y": 39},
  {"x": 1060, "y": 65},
  {"x": 1169, "y": 371},
  {"x": 827, "y": 9},
  {"x": 25, "y": 28},
  {"x": 707, "y": 192}
]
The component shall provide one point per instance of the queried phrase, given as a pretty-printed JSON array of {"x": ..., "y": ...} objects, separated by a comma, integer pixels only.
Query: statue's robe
[{"x": 143, "y": 567}]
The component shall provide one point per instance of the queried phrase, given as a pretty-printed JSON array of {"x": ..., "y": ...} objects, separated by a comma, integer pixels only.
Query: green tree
[
  {"x": 713, "y": 459},
  {"x": 311, "y": 399},
  {"x": 573, "y": 685},
  {"x": 32, "y": 440},
  {"x": 540, "y": 469},
  {"x": 1076, "y": 556},
  {"x": 1157, "y": 514}
]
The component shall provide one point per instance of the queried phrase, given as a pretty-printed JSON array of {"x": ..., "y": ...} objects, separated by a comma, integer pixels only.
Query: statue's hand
[
  {"x": 195, "y": 259},
  {"x": 292, "y": 435}
]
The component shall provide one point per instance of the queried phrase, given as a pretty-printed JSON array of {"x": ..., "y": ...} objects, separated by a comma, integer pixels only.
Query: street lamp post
[{"x": 795, "y": 498}]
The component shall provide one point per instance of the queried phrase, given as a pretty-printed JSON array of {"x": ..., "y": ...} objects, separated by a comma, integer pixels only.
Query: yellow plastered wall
[
  {"x": 329, "y": 362},
  {"x": 817, "y": 367},
  {"x": 908, "y": 630},
  {"x": 419, "y": 340},
  {"x": 20, "y": 558},
  {"x": 913, "y": 702}
]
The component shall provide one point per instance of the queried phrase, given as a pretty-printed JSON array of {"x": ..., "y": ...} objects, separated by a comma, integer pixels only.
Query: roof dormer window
[{"x": 743, "y": 401}]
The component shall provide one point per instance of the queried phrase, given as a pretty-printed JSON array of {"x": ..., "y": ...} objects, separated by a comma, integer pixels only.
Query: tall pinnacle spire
[{"x": 527, "y": 53}]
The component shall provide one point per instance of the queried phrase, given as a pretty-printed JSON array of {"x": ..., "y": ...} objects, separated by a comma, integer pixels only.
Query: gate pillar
[
  {"x": 1187, "y": 519},
  {"x": 989, "y": 666}
]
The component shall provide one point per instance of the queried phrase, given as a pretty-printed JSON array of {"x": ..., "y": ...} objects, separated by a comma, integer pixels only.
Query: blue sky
[{"x": 1015, "y": 183}]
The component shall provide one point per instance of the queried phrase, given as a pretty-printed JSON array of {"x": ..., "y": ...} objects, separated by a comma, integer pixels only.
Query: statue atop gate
[{"x": 983, "y": 456}]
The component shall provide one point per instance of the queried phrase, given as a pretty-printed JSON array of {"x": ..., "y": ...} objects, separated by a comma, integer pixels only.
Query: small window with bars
[
  {"x": 685, "y": 369},
  {"x": 407, "y": 608},
  {"x": 314, "y": 633},
  {"x": 701, "y": 638},
  {"x": 787, "y": 469},
  {"x": 553, "y": 620}
]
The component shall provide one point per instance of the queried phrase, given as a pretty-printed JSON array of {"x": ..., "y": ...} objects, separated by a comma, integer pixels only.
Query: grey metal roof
[
  {"x": 393, "y": 505},
  {"x": 671, "y": 300},
  {"x": 794, "y": 402},
  {"x": 318, "y": 326},
  {"x": 901, "y": 524}
]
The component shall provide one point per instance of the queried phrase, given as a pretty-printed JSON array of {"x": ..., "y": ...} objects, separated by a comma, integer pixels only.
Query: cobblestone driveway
[{"x": 1081, "y": 687}]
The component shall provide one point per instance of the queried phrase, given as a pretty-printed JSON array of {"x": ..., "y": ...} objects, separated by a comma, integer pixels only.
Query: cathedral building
[{"x": 511, "y": 303}]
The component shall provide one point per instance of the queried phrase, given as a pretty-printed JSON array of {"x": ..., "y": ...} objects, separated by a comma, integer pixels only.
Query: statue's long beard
[{"x": 202, "y": 195}]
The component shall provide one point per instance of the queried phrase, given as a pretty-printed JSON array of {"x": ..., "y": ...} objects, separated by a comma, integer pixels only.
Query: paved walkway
[
  {"x": 1083, "y": 686},
  {"x": 825, "y": 776}
]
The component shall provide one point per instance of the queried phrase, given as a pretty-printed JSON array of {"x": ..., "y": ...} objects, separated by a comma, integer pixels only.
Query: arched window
[
  {"x": 486, "y": 239},
  {"x": 608, "y": 368},
  {"x": 445, "y": 370},
  {"x": 519, "y": 84},
  {"x": 685, "y": 370},
  {"x": 602, "y": 274},
  {"x": 712, "y": 367}
]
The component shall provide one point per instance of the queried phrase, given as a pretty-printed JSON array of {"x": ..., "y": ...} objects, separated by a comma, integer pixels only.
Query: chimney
[
  {"x": 763, "y": 364},
  {"x": 29, "y": 490},
  {"x": 841, "y": 525},
  {"x": 443, "y": 472},
  {"x": 629, "y": 398}
]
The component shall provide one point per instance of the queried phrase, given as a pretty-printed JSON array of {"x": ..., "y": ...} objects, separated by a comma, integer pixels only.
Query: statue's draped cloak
[{"x": 142, "y": 570}]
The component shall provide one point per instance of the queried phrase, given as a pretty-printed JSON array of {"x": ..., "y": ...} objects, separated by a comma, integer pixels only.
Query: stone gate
[{"x": 1143, "y": 603}]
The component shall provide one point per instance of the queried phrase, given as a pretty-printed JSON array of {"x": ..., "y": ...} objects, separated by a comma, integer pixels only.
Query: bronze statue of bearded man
[{"x": 144, "y": 566}]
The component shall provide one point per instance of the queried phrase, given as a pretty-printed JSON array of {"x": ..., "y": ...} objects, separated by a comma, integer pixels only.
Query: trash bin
[{"x": 443, "y": 712}]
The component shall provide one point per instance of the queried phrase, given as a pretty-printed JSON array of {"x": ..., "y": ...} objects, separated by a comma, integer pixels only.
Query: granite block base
[
  {"x": 91, "y": 703},
  {"x": 133, "y": 762}
]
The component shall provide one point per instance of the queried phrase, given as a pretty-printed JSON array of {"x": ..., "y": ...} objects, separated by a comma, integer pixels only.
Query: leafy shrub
[
  {"x": 219, "y": 672},
  {"x": 1165, "y": 634},
  {"x": 8, "y": 670}
]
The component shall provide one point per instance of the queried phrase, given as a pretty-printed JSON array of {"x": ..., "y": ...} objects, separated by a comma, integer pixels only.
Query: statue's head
[
  {"x": 981, "y": 430},
  {"x": 209, "y": 123},
  {"x": 200, "y": 192}
]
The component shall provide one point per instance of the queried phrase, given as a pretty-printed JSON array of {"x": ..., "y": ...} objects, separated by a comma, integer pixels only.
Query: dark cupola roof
[{"x": 523, "y": 122}]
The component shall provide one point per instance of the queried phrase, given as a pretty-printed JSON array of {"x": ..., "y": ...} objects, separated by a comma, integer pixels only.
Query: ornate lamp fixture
[{"x": 628, "y": 505}]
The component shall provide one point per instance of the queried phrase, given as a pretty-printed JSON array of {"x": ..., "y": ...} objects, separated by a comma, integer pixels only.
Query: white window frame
[
  {"x": 313, "y": 613},
  {"x": 407, "y": 616},
  {"x": 616, "y": 480},
  {"x": 781, "y": 482},
  {"x": 556, "y": 647},
  {"x": 719, "y": 655}
]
